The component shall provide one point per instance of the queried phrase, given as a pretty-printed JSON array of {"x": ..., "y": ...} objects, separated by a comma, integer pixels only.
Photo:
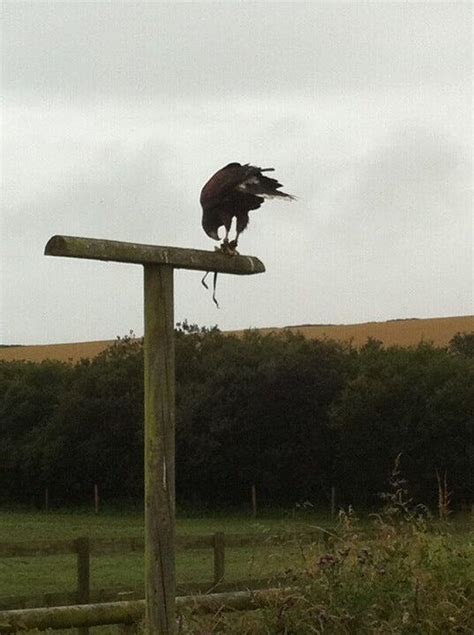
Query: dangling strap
[{"x": 214, "y": 284}]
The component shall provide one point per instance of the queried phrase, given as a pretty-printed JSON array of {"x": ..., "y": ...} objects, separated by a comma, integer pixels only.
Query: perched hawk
[{"x": 235, "y": 190}]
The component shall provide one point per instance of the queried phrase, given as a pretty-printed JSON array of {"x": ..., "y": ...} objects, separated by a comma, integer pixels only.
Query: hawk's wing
[
  {"x": 222, "y": 184},
  {"x": 244, "y": 180}
]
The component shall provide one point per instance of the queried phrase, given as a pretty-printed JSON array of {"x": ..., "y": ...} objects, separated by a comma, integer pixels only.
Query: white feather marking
[{"x": 252, "y": 180}]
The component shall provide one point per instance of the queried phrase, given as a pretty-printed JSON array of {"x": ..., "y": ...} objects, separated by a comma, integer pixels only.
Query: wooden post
[
  {"x": 333, "y": 501},
  {"x": 96, "y": 498},
  {"x": 219, "y": 557},
  {"x": 159, "y": 263},
  {"x": 159, "y": 451},
  {"x": 254, "y": 501},
  {"x": 82, "y": 546}
]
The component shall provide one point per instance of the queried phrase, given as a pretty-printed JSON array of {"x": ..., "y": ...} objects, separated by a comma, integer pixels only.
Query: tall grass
[{"x": 404, "y": 574}]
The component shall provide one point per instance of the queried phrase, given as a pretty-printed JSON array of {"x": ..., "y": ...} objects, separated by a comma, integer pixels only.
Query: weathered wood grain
[
  {"x": 159, "y": 264},
  {"x": 160, "y": 576},
  {"x": 121, "y": 593},
  {"x": 177, "y": 257},
  {"x": 129, "y": 612}
]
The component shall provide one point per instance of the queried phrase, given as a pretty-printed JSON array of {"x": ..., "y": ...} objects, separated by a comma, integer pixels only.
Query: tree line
[{"x": 292, "y": 416}]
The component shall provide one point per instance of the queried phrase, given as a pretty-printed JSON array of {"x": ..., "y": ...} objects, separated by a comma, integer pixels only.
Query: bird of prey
[{"x": 234, "y": 191}]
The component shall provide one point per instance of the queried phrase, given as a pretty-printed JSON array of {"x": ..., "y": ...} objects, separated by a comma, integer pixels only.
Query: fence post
[
  {"x": 333, "y": 501},
  {"x": 82, "y": 547},
  {"x": 96, "y": 498},
  {"x": 219, "y": 557},
  {"x": 254, "y": 501}
]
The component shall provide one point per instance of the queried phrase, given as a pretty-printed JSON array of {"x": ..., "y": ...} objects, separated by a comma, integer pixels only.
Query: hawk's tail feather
[
  {"x": 264, "y": 186},
  {"x": 290, "y": 197}
]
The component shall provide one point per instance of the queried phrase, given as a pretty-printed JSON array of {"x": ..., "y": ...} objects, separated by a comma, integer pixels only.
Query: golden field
[
  {"x": 399, "y": 332},
  {"x": 393, "y": 332}
]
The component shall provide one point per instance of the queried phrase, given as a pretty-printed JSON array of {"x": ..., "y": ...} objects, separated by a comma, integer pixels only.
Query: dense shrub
[
  {"x": 415, "y": 401},
  {"x": 291, "y": 415},
  {"x": 255, "y": 410}
]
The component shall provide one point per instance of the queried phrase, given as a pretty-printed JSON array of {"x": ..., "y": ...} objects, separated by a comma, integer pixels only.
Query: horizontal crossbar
[
  {"x": 178, "y": 257},
  {"x": 128, "y": 612}
]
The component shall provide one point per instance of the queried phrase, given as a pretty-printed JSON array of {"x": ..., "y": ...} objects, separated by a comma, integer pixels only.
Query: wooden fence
[
  {"x": 129, "y": 613},
  {"x": 85, "y": 548}
]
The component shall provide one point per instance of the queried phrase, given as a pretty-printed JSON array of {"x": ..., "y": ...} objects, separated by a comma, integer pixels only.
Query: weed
[{"x": 403, "y": 574}]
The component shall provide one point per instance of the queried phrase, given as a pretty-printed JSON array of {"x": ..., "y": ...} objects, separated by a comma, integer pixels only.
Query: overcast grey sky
[{"x": 115, "y": 114}]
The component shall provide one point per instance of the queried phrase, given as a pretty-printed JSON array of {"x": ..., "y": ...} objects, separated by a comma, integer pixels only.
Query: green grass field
[
  {"x": 408, "y": 578},
  {"x": 47, "y": 574}
]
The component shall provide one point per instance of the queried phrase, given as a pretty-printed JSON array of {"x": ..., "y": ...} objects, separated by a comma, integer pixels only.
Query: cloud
[
  {"x": 364, "y": 111},
  {"x": 182, "y": 50}
]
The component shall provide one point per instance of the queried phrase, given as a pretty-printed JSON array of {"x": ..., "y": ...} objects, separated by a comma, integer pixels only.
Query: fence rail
[
  {"x": 100, "y": 546},
  {"x": 87, "y": 615},
  {"x": 122, "y": 593},
  {"x": 84, "y": 548}
]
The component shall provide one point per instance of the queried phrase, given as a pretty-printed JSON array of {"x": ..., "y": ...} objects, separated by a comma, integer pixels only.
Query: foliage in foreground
[
  {"x": 403, "y": 583},
  {"x": 402, "y": 573},
  {"x": 402, "y": 577}
]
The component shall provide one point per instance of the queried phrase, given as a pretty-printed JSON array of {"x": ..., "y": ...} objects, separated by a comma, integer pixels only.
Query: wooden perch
[
  {"x": 177, "y": 257},
  {"x": 159, "y": 370}
]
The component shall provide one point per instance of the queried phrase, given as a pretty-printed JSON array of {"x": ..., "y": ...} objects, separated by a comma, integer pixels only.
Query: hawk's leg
[
  {"x": 242, "y": 222},
  {"x": 233, "y": 245},
  {"x": 226, "y": 245}
]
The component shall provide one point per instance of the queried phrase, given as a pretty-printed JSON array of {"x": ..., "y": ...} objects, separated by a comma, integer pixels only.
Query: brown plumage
[{"x": 234, "y": 191}]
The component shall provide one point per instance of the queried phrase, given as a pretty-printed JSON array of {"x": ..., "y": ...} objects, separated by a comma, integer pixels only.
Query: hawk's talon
[
  {"x": 228, "y": 248},
  {"x": 232, "y": 248}
]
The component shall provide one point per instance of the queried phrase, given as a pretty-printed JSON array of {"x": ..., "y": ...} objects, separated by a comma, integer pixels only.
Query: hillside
[
  {"x": 400, "y": 332},
  {"x": 393, "y": 332}
]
